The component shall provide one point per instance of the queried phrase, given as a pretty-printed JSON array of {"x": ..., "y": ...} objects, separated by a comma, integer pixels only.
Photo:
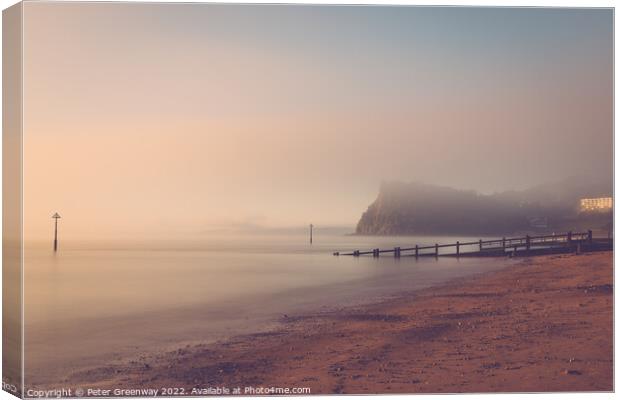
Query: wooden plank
[{"x": 499, "y": 246}]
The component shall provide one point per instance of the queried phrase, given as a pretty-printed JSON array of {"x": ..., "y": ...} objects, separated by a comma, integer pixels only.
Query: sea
[{"x": 94, "y": 304}]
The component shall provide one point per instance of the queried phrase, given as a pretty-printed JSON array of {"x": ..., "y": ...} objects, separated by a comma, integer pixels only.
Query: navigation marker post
[{"x": 56, "y": 216}]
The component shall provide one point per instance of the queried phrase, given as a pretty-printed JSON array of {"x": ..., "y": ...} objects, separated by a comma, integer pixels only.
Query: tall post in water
[
  {"x": 311, "y": 226},
  {"x": 56, "y": 217}
]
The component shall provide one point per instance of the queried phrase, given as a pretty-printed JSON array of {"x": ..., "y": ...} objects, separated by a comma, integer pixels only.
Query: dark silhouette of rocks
[{"x": 419, "y": 208}]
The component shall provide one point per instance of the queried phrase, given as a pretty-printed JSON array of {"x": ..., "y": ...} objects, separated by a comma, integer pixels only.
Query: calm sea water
[{"x": 92, "y": 304}]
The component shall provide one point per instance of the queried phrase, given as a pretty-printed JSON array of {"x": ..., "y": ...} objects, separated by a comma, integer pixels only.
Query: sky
[{"x": 155, "y": 120}]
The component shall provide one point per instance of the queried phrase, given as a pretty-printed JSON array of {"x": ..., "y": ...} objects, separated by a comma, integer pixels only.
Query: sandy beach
[{"x": 544, "y": 324}]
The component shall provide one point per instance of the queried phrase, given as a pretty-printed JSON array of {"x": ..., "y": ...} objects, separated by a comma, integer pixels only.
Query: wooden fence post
[
  {"x": 436, "y": 250},
  {"x": 458, "y": 250},
  {"x": 504, "y": 244},
  {"x": 396, "y": 252},
  {"x": 527, "y": 243},
  {"x": 589, "y": 236},
  {"x": 416, "y": 251},
  {"x": 480, "y": 244}
]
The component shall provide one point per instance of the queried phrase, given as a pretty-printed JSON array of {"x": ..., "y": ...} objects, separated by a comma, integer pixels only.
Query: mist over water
[
  {"x": 192, "y": 123},
  {"x": 87, "y": 305},
  {"x": 249, "y": 115}
]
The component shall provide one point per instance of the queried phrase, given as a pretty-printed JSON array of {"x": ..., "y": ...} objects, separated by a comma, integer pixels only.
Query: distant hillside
[{"x": 418, "y": 208}]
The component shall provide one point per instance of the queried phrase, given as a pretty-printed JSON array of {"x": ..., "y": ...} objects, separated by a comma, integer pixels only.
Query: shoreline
[
  {"x": 63, "y": 347},
  {"x": 544, "y": 324}
]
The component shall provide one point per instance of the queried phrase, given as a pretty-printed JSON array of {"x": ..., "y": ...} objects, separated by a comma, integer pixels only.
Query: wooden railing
[{"x": 481, "y": 247}]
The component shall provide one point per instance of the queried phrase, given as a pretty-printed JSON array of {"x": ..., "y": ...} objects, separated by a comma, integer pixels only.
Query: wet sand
[{"x": 544, "y": 324}]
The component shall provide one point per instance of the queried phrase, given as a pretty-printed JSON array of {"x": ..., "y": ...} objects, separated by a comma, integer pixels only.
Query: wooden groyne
[{"x": 516, "y": 246}]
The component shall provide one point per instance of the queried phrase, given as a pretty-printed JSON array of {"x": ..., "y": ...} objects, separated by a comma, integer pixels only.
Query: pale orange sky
[{"x": 149, "y": 120}]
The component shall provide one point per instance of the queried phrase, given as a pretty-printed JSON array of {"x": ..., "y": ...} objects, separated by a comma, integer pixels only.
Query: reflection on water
[{"x": 92, "y": 303}]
